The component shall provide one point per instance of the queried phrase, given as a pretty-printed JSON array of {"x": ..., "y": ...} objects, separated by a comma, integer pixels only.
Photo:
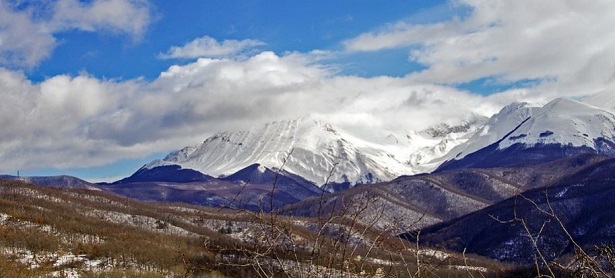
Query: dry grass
[{"x": 117, "y": 237}]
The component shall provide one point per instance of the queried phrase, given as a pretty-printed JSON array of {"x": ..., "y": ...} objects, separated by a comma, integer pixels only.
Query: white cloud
[
  {"x": 209, "y": 47},
  {"x": 82, "y": 121},
  {"x": 27, "y": 34},
  {"x": 22, "y": 41},
  {"x": 567, "y": 44},
  {"x": 122, "y": 16}
]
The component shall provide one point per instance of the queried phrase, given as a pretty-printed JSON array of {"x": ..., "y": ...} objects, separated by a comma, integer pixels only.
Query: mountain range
[
  {"x": 319, "y": 152},
  {"x": 335, "y": 159},
  {"x": 482, "y": 185}
]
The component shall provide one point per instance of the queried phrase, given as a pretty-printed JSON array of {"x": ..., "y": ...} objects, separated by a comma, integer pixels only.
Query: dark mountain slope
[
  {"x": 253, "y": 188},
  {"x": 417, "y": 201},
  {"x": 297, "y": 186},
  {"x": 170, "y": 173},
  {"x": 582, "y": 203},
  {"x": 516, "y": 155}
]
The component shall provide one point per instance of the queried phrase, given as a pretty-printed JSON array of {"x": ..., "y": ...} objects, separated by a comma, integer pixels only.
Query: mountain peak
[
  {"x": 561, "y": 127},
  {"x": 567, "y": 106},
  {"x": 307, "y": 147}
]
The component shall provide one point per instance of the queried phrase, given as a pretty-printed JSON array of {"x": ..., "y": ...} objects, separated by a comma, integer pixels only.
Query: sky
[{"x": 97, "y": 88}]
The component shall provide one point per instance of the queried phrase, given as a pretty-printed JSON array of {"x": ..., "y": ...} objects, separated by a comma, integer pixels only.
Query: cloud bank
[{"x": 82, "y": 121}]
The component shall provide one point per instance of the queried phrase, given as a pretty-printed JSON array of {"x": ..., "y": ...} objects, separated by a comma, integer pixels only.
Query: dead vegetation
[{"x": 49, "y": 231}]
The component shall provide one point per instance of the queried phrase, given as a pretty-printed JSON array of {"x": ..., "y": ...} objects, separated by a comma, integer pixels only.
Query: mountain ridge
[
  {"x": 521, "y": 133},
  {"x": 318, "y": 151}
]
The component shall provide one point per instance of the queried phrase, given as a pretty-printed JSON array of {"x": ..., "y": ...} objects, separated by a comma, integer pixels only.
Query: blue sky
[
  {"x": 282, "y": 25},
  {"x": 97, "y": 88}
]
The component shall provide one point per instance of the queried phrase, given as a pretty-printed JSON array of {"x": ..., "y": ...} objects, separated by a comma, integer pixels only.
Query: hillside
[
  {"x": 84, "y": 233},
  {"x": 414, "y": 202},
  {"x": 567, "y": 216}
]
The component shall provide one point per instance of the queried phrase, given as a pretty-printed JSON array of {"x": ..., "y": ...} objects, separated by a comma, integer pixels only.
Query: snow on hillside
[
  {"x": 605, "y": 100},
  {"x": 567, "y": 122},
  {"x": 562, "y": 121},
  {"x": 318, "y": 148}
]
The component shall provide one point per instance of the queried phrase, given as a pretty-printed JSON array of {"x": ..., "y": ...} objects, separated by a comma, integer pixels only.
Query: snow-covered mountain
[
  {"x": 443, "y": 138},
  {"x": 321, "y": 153},
  {"x": 523, "y": 132}
]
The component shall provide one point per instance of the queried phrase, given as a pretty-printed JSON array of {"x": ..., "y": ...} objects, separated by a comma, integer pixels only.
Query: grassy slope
[{"x": 93, "y": 234}]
